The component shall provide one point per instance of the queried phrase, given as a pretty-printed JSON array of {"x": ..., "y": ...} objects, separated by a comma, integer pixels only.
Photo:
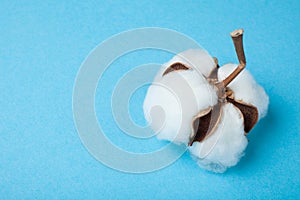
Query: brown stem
[
  {"x": 237, "y": 37},
  {"x": 234, "y": 74}
]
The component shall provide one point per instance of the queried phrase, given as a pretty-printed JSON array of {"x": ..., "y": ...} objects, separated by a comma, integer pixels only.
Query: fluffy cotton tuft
[
  {"x": 246, "y": 89},
  {"x": 174, "y": 99},
  {"x": 226, "y": 146}
]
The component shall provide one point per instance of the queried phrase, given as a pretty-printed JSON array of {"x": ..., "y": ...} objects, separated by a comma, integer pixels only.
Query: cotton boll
[
  {"x": 225, "y": 147},
  {"x": 246, "y": 89},
  {"x": 184, "y": 92},
  {"x": 180, "y": 95}
]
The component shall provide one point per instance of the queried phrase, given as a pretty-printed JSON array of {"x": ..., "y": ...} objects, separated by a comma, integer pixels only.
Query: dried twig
[{"x": 237, "y": 37}]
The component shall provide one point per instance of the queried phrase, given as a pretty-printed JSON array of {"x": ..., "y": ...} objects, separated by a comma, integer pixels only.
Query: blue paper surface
[{"x": 42, "y": 46}]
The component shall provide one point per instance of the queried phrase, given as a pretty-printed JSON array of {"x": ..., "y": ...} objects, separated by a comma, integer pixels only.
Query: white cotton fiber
[
  {"x": 245, "y": 88},
  {"x": 175, "y": 98},
  {"x": 226, "y": 146},
  {"x": 180, "y": 95}
]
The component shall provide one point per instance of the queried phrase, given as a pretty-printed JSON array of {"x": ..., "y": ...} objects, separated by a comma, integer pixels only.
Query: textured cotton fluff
[{"x": 174, "y": 99}]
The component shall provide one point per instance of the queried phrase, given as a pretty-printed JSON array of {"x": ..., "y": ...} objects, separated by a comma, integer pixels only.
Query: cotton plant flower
[{"x": 208, "y": 108}]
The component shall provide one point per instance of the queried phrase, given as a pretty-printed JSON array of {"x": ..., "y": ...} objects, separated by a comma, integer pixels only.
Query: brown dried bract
[
  {"x": 175, "y": 67},
  {"x": 249, "y": 112},
  {"x": 205, "y": 123}
]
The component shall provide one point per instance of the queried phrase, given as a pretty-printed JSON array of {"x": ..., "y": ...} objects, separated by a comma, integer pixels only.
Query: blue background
[{"x": 42, "y": 45}]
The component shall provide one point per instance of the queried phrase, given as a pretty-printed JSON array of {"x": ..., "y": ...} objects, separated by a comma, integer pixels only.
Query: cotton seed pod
[{"x": 209, "y": 108}]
